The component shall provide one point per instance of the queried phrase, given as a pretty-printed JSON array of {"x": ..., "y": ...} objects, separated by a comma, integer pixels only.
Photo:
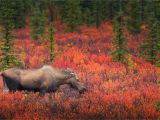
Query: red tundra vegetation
[{"x": 112, "y": 92}]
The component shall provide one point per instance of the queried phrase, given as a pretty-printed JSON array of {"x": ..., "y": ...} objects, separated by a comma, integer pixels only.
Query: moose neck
[{"x": 63, "y": 79}]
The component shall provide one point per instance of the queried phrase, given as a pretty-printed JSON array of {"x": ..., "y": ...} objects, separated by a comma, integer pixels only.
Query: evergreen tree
[
  {"x": 107, "y": 10},
  {"x": 87, "y": 17},
  {"x": 7, "y": 58},
  {"x": 152, "y": 7},
  {"x": 52, "y": 42},
  {"x": 134, "y": 17},
  {"x": 42, "y": 4},
  {"x": 150, "y": 49},
  {"x": 37, "y": 22},
  {"x": 144, "y": 9},
  {"x": 19, "y": 16},
  {"x": 51, "y": 29},
  {"x": 148, "y": 8},
  {"x": 119, "y": 41},
  {"x": 97, "y": 10},
  {"x": 72, "y": 14},
  {"x": 157, "y": 9},
  {"x": 87, "y": 12},
  {"x": 112, "y": 7}
]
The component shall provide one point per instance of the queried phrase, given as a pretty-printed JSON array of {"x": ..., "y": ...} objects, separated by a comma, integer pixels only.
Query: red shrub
[{"x": 112, "y": 94}]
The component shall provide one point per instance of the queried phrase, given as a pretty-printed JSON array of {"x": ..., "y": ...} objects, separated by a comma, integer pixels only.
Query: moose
[{"x": 43, "y": 79}]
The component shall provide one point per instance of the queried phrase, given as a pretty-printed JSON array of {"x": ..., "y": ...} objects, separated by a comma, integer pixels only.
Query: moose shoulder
[{"x": 44, "y": 79}]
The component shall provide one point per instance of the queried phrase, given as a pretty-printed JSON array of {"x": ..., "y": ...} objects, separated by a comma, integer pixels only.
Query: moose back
[{"x": 44, "y": 79}]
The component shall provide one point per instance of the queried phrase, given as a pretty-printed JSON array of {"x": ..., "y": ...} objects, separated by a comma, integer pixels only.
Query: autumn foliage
[{"x": 113, "y": 92}]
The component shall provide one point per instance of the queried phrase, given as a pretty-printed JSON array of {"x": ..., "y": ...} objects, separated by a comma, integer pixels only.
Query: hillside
[{"x": 113, "y": 91}]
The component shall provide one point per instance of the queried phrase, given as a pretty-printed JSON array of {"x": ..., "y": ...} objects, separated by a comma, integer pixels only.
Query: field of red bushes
[{"x": 113, "y": 92}]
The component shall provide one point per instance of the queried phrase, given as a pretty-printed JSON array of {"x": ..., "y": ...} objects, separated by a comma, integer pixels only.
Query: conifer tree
[
  {"x": 7, "y": 57},
  {"x": 51, "y": 29},
  {"x": 150, "y": 49},
  {"x": 112, "y": 7},
  {"x": 134, "y": 17},
  {"x": 72, "y": 14},
  {"x": 19, "y": 16},
  {"x": 119, "y": 41},
  {"x": 144, "y": 9},
  {"x": 88, "y": 12},
  {"x": 52, "y": 42},
  {"x": 87, "y": 17},
  {"x": 97, "y": 10},
  {"x": 37, "y": 22}
]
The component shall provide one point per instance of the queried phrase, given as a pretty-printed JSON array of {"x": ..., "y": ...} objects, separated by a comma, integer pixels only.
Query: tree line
[
  {"x": 130, "y": 14},
  {"x": 90, "y": 12}
]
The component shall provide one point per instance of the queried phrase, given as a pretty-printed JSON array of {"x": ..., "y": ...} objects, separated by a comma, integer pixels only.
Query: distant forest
[
  {"x": 90, "y": 12},
  {"x": 110, "y": 47},
  {"x": 41, "y": 14}
]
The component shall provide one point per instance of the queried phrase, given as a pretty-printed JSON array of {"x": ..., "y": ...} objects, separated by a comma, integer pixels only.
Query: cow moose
[{"x": 44, "y": 79}]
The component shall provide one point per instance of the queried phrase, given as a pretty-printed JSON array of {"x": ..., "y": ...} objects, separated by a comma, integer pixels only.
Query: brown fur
[{"x": 44, "y": 79}]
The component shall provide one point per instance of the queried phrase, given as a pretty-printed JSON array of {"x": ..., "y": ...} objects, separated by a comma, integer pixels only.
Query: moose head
[{"x": 74, "y": 81}]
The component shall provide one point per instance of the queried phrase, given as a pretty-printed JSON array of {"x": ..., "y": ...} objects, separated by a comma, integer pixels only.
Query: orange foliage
[{"x": 112, "y": 94}]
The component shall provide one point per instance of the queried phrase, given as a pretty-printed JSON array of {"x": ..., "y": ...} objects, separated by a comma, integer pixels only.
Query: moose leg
[
  {"x": 26, "y": 93},
  {"x": 5, "y": 87},
  {"x": 42, "y": 92}
]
